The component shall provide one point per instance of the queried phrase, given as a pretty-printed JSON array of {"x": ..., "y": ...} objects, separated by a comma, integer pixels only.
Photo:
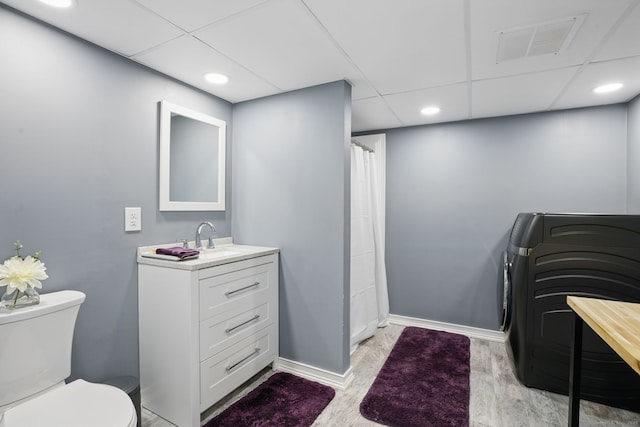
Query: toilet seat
[{"x": 77, "y": 404}]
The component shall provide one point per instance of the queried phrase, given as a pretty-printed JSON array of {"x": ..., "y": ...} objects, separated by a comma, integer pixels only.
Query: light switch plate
[{"x": 132, "y": 219}]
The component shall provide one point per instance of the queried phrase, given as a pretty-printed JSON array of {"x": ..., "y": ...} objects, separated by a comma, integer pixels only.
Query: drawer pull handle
[
  {"x": 254, "y": 318},
  {"x": 253, "y": 285},
  {"x": 235, "y": 365}
]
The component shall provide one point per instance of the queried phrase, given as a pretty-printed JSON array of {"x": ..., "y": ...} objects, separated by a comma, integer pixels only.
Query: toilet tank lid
[{"x": 49, "y": 303}]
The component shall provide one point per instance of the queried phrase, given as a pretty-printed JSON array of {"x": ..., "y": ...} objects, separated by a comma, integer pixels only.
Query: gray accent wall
[
  {"x": 454, "y": 190},
  {"x": 633, "y": 156},
  {"x": 78, "y": 144},
  {"x": 291, "y": 190}
]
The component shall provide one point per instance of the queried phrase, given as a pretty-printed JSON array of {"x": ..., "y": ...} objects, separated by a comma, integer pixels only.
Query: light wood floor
[{"x": 497, "y": 398}]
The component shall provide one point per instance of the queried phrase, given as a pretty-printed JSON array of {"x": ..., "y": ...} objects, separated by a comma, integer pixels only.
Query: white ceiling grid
[{"x": 399, "y": 55}]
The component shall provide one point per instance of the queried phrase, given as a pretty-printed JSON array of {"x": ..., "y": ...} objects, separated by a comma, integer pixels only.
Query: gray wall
[
  {"x": 633, "y": 156},
  {"x": 453, "y": 191},
  {"x": 291, "y": 190},
  {"x": 79, "y": 143}
]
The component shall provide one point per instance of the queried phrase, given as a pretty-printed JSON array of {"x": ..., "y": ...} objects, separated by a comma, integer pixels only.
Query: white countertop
[{"x": 223, "y": 253}]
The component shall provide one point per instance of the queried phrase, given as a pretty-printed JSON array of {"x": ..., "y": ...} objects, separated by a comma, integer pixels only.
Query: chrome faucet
[{"x": 199, "y": 239}]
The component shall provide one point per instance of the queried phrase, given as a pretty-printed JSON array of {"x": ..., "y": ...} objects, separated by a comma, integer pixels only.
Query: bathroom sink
[
  {"x": 221, "y": 252},
  {"x": 224, "y": 252}
]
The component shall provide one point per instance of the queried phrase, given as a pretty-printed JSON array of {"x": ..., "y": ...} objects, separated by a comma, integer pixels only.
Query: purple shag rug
[
  {"x": 282, "y": 400},
  {"x": 424, "y": 382}
]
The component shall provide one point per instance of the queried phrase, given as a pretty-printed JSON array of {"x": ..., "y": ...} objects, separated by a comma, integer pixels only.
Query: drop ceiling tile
[
  {"x": 399, "y": 46},
  {"x": 193, "y": 14},
  {"x": 280, "y": 41},
  {"x": 453, "y": 102},
  {"x": 580, "y": 92},
  {"x": 382, "y": 48},
  {"x": 188, "y": 59},
  {"x": 625, "y": 41},
  {"x": 361, "y": 89},
  {"x": 122, "y": 26},
  {"x": 489, "y": 17},
  {"x": 371, "y": 114},
  {"x": 519, "y": 94}
]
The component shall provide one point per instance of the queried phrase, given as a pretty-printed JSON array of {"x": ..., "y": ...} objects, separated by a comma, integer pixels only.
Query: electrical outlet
[{"x": 132, "y": 219}]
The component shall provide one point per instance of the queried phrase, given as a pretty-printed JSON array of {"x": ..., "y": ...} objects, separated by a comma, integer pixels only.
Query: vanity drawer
[
  {"x": 228, "y": 328},
  {"x": 245, "y": 288},
  {"x": 222, "y": 373}
]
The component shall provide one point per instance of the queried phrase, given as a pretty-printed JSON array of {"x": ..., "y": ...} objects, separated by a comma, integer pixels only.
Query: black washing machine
[
  {"x": 514, "y": 262},
  {"x": 551, "y": 256}
]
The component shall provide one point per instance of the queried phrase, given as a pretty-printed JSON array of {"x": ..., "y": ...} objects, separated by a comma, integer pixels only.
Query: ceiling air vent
[{"x": 545, "y": 38}]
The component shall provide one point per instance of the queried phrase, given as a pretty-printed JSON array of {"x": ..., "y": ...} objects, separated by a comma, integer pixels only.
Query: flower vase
[{"x": 17, "y": 298}]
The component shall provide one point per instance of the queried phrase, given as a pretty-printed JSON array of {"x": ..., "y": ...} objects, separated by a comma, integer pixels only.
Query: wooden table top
[{"x": 616, "y": 322}]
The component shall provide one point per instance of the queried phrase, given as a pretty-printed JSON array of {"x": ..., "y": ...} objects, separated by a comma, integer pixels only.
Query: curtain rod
[{"x": 361, "y": 145}]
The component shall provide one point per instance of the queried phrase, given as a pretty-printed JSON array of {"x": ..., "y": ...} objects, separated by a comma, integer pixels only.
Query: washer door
[{"x": 505, "y": 278}]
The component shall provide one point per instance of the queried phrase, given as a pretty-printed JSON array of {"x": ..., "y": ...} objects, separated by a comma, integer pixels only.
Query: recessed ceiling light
[
  {"x": 58, "y": 3},
  {"x": 216, "y": 78},
  {"x": 430, "y": 111},
  {"x": 611, "y": 87}
]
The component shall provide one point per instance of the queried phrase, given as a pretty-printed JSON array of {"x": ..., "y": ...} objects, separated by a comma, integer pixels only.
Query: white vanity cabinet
[{"x": 204, "y": 329}]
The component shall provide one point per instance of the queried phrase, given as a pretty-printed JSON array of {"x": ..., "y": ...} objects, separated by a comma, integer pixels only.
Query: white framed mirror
[{"x": 192, "y": 160}]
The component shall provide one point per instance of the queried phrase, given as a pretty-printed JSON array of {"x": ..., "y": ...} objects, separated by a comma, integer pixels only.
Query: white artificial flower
[{"x": 18, "y": 273}]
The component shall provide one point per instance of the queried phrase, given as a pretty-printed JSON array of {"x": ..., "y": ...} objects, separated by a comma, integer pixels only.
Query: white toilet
[{"x": 35, "y": 359}]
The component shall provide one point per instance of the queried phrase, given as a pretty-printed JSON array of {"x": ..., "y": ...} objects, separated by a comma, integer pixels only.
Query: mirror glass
[{"x": 192, "y": 160}]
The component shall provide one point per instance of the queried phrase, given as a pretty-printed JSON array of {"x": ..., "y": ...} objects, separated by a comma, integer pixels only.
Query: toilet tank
[{"x": 35, "y": 345}]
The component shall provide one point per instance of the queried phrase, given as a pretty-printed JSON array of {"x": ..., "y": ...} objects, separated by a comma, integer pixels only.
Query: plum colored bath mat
[
  {"x": 424, "y": 382},
  {"x": 283, "y": 400}
]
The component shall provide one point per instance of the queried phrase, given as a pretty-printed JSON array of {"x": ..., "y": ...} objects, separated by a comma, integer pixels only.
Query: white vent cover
[{"x": 545, "y": 38}]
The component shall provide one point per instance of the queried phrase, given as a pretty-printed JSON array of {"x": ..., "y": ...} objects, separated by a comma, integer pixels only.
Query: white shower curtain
[{"x": 369, "y": 297}]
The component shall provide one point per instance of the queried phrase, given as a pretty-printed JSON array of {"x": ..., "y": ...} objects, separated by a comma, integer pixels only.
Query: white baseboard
[
  {"x": 470, "y": 331},
  {"x": 342, "y": 381},
  {"x": 331, "y": 379}
]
